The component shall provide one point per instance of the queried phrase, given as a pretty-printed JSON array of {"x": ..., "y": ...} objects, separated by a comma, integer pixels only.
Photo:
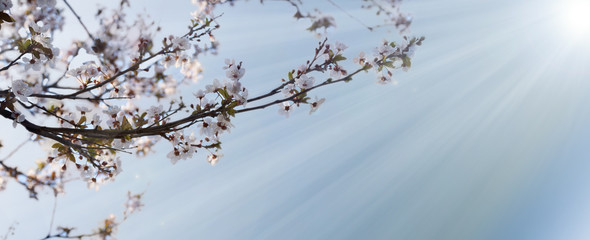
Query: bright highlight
[{"x": 576, "y": 17}]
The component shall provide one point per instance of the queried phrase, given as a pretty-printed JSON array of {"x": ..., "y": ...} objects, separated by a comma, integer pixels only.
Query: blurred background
[{"x": 484, "y": 138}]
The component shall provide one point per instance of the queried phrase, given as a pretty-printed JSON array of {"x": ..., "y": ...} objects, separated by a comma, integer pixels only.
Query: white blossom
[
  {"x": 285, "y": 109},
  {"x": 183, "y": 147},
  {"x": 87, "y": 70},
  {"x": 113, "y": 123},
  {"x": 302, "y": 69},
  {"x": 316, "y": 104},
  {"x": 154, "y": 111},
  {"x": 181, "y": 43},
  {"x": 68, "y": 120},
  {"x": 34, "y": 64},
  {"x": 383, "y": 50},
  {"x": 88, "y": 173},
  {"x": 112, "y": 110},
  {"x": 96, "y": 120},
  {"x": 304, "y": 81},
  {"x": 234, "y": 71},
  {"x": 169, "y": 60},
  {"x": 223, "y": 123},
  {"x": 214, "y": 158},
  {"x": 361, "y": 59},
  {"x": 337, "y": 72},
  {"x": 340, "y": 46},
  {"x": 18, "y": 118},
  {"x": 158, "y": 68},
  {"x": 181, "y": 61},
  {"x": 144, "y": 145},
  {"x": 383, "y": 78},
  {"x": 21, "y": 90},
  {"x": 121, "y": 143},
  {"x": 192, "y": 70},
  {"x": 206, "y": 103},
  {"x": 83, "y": 109},
  {"x": 44, "y": 40},
  {"x": 199, "y": 94},
  {"x": 288, "y": 90},
  {"x": 207, "y": 127},
  {"x": 213, "y": 87}
]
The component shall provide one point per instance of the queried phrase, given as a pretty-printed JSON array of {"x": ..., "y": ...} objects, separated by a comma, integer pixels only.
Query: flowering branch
[
  {"x": 107, "y": 228},
  {"x": 85, "y": 113}
]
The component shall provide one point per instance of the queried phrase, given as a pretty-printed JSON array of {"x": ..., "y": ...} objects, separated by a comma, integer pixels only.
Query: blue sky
[{"x": 484, "y": 138}]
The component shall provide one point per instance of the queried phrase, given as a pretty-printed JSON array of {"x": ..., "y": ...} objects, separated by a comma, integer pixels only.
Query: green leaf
[
  {"x": 141, "y": 120},
  {"x": 126, "y": 125},
  {"x": 5, "y": 17},
  {"x": 47, "y": 52},
  {"x": 82, "y": 120},
  {"x": 232, "y": 105},
  {"x": 339, "y": 57},
  {"x": 23, "y": 45},
  {"x": 36, "y": 53},
  {"x": 223, "y": 93},
  {"x": 407, "y": 61},
  {"x": 71, "y": 157},
  {"x": 216, "y": 145},
  {"x": 231, "y": 112},
  {"x": 92, "y": 152},
  {"x": 56, "y": 145},
  {"x": 388, "y": 64}
]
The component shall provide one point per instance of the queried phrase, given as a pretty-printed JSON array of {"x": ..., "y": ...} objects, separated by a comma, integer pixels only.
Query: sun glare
[{"x": 576, "y": 17}]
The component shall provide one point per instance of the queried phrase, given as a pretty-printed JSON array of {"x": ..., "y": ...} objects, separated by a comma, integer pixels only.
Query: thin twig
[
  {"x": 350, "y": 15},
  {"x": 15, "y": 150},
  {"x": 79, "y": 20},
  {"x": 16, "y": 59},
  {"x": 52, "y": 215}
]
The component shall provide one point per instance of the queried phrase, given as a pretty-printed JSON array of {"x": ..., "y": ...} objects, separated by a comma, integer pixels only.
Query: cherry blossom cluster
[
  {"x": 91, "y": 107},
  {"x": 43, "y": 91},
  {"x": 394, "y": 15},
  {"x": 125, "y": 96},
  {"x": 133, "y": 203},
  {"x": 229, "y": 94},
  {"x": 108, "y": 227},
  {"x": 384, "y": 60},
  {"x": 300, "y": 81},
  {"x": 389, "y": 56}
]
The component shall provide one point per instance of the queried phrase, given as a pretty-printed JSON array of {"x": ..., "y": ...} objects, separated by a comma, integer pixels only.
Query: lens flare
[{"x": 576, "y": 17}]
